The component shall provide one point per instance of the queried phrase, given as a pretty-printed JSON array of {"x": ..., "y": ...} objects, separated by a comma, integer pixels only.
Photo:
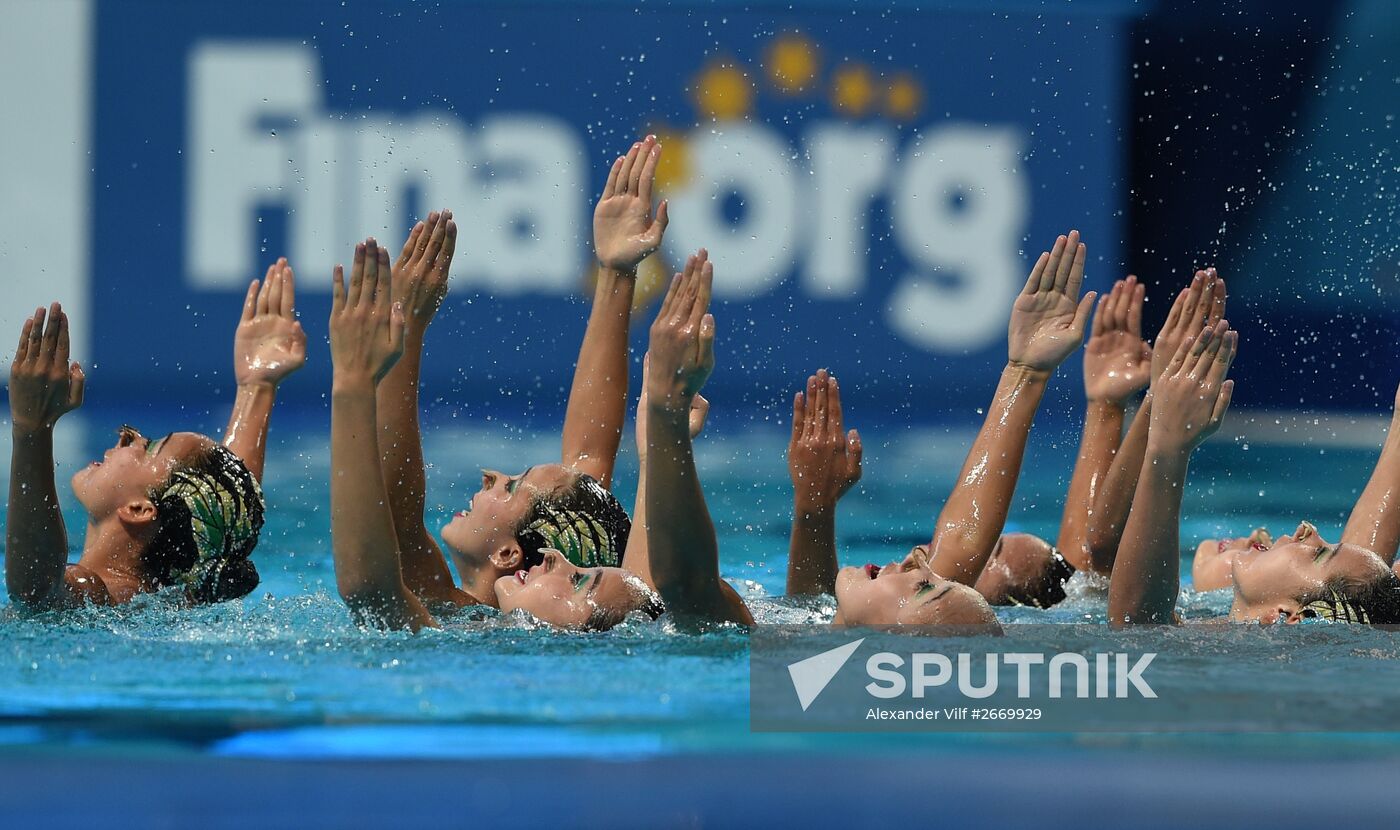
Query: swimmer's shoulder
[{"x": 84, "y": 586}]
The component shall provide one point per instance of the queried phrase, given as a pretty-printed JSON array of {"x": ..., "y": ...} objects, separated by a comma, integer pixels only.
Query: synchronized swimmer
[{"x": 182, "y": 514}]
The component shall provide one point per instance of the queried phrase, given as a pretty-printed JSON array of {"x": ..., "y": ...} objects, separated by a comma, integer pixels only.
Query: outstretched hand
[
  {"x": 1117, "y": 361},
  {"x": 682, "y": 350},
  {"x": 1049, "y": 317},
  {"x": 420, "y": 273},
  {"x": 44, "y": 385},
  {"x": 269, "y": 343},
  {"x": 1192, "y": 395},
  {"x": 625, "y": 231},
  {"x": 823, "y": 459},
  {"x": 1202, "y": 303},
  {"x": 367, "y": 326},
  {"x": 699, "y": 412}
]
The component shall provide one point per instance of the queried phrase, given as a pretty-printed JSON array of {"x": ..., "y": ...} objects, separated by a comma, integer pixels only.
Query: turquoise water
[{"x": 284, "y": 673}]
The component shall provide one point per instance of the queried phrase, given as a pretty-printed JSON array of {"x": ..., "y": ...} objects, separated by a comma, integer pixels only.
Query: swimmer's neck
[
  {"x": 114, "y": 554},
  {"x": 479, "y": 581}
]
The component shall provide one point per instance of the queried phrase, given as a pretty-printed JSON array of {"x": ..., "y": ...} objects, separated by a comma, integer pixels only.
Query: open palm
[
  {"x": 1048, "y": 318},
  {"x": 269, "y": 343},
  {"x": 625, "y": 231},
  {"x": 1117, "y": 361}
]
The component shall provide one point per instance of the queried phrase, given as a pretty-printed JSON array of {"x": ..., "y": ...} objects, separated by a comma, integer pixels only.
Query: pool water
[{"x": 285, "y": 674}]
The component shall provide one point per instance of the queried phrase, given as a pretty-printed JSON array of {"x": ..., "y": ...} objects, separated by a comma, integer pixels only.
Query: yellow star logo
[
  {"x": 792, "y": 64},
  {"x": 723, "y": 92},
  {"x": 905, "y": 97},
  {"x": 853, "y": 89}
]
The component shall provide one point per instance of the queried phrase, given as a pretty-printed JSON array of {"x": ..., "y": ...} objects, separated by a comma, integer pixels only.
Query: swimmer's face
[
  {"x": 904, "y": 593},
  {"x": 133, "y": 467},
  {"x": 1258, "y": 540},
  {"x": 486, "y": 531},
  {"x": 1268, "y": 583},
  {"x": 1023, "y": 570},
  {"x": 560, "y": 593}
]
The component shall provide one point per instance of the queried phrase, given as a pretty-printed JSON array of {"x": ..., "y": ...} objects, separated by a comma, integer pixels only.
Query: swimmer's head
[
  {"x": 192, "y": 502},
  {"x": 562, "y": 594},
  {"x": 1024, "y": 570},
  {"x": 514, "y": 518},
  {"x": 905, "y": 593},
  {"x": 1258, "y": 540},
  {"x": 1303, "y": 576}
]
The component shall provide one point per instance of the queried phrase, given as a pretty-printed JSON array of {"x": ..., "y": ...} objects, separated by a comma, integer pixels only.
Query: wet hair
[
  {"x": 583, "y": 521},
  {"x": 1374, "y": 601},
  {"x": 209, "y": 514},
  {"x": 603, "y": 619}
]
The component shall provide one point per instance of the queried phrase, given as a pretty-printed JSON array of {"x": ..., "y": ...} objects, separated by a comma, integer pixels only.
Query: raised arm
[
  {"x": 824, "y": 462},
  {"x": 44, "y": 386},
  {"x": 637, "y": 557},
  {"x": 1190, "y": 400},
  {"x": 1202, "y": 303},
  {"x": 680, "y": 535},
  {"x": 268, "y": 345},
  {"x": 1374, "y": 523},
  {"x": 625, "y": 232},
  {"x": 1047, "y": 325},
  {"x": 420, "y": 284},
  {"x": 367, "y": 334},
  {"x": 1116, "y": 365}
]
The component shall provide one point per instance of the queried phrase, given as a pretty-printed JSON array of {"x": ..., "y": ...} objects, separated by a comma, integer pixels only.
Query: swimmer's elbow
[{"x": 1101, "y": 552}]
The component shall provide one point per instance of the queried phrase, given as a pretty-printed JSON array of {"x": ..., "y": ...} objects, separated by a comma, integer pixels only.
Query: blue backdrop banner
[{"x": 872, "y": 185}]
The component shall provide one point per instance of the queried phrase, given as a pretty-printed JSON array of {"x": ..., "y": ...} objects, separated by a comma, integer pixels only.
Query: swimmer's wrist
[
  {"x": 1026, "y": 373},
  {"x": 349, "y": 384},
  {"x": 24, "y": 430}
]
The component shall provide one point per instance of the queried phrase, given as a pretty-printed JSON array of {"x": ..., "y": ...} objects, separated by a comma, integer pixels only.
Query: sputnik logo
[{"x": 811, "y": 676}]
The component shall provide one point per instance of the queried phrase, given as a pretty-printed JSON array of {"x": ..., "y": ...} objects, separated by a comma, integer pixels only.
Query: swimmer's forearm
[
  {"x": 36, "y": 541},
  {"x": 597, "y": 404},
  {"x": 683, "y": 547},
  {"x": 363, "y": 543},
  {"x": 637, "y": 557},
  {"x": 1115, "y": 498},
  {"x": 1103, "y": 429},
  {"x": 975, "y": 512},
  {"x": 246, "y": 435},
  {"x": 1374, "y": 523},
  {"x": 812, "y": 550},
  {"x": 400, "y": 441},
  {"x": 1147, "y": 574}
]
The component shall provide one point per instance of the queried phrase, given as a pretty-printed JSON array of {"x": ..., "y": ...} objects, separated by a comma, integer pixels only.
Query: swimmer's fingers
[
  {"x": 61, "y": 353},
  {"x": 1071, "y": 279},
  {"x": 707, "y": 343},
  {"x": 1081, "y": 314},
  {"x": 437, "y": 237},
  {"x": 699, "y": 413},
  {"x": 1135, "y": 304},
  {"x": 22, "y": 350},
  {"x": 443, "y": 265},
  {"x": 1193, "y": 315},
  {"x": 250, "y": 301},
  {"x": 1101, "y": 316},
  {"x": 835, "y": 425},
  {"x": 648, "y": 175},
  {"x": 396, "y": 323},
  {"x": 1182, "y": 353},
  {"x": 799, "y": 417},
  {"x": 652, "y": 236},
  {"x": 289, "y": 291},
  {"x": 1224, "y": 357},
  {"x": 1206, "y": 358},
  {"x": 669, "y": 301},
  {"x": 1174, "y": 314},
  {"x": 274, "y": 291},
  {"x": 1216, "y": 312},
  {"x": 1122, "y": 293},
  {"x": 1198, "y": 350},
  {"x": 624, "y": 176},
  {"x": 1222, "y": 404},
  {"x": 384, "y": 284},
  {"x": 262, "y": 301},
  {"x": 809, "y": 409},
  {"x": 704, "y": 288},
  {"x": 77, "y": 385},
  {"x": 822, "y": 405},
  {"x": 50, "y": 342},
  {"x": 357, "y": 277},
  {"x": 370, "y": 280},
  {"x": 634, "y": 183},
  {"x": 1037, "y": 270},
  {"x": 610, "y": 187},
  {"x": 1052, "y": 265},
  {"x": 337, "y": 290},
  {"x": 410, "y": 245},
  {"x": 855, "y": 452},
  {"x": 431, "y": 224}
]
